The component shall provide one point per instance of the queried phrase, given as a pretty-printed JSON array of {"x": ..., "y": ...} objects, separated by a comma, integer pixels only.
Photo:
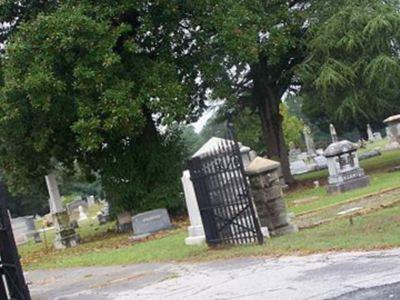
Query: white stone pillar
[
  {"x": 196, "y": 229},
  {"x": 65, "y": 235},
  {"x": 55, "y": 198}
]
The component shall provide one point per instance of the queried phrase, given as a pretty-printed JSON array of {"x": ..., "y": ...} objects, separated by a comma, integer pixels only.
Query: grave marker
[{"x": 151, "y": 221}]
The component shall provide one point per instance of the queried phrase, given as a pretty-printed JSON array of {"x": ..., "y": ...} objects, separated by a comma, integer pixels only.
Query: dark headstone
[
  {"x": 104, "y": 215},
  {"x": 369, "y": 154},
  {"x": 151, "y": 221},
  {"x": 124, "y": 222}
]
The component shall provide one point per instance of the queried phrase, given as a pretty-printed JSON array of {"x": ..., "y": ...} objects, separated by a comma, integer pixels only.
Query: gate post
[
  {"x": 10, "y": 265},
  {"x": 266, "y": 189}
]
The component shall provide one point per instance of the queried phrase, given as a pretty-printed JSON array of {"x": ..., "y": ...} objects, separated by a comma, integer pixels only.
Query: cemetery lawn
[
  {"x": 305, "y": 198},
  {"x": 377, "y": 230}
]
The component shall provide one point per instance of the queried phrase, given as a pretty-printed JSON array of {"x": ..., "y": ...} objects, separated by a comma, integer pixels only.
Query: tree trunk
[{"x": 271, "y": 121}]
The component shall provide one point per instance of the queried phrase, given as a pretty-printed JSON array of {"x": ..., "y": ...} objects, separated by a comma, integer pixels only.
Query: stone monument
[
  {"x": 393, "y": 131},
  {"x": 370, "y": 134},
  {"x": 334, "y": 136},
  {"x": 23, "y": 229},
  {"x": 82, "y": 215},
  {"x": 124, "y": 221},
  {"x": 148, "y": 222},
  {"x": 65, "y": 234},
  {"x": 344, "y": 170},
  {"x": 266, "y": 189},
  {"x": 91, "y": 201},
  {"x": 196, "y": 229},
  {"x": 309, "y": 141}
]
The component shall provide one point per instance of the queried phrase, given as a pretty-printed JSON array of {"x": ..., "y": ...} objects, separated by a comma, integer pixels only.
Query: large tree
[
  {"x": 254, "y": 49},
  {"x": 86, "y": 80},
  {"x": 100, "y": 83},
  {"x": 352, "y": 74}
]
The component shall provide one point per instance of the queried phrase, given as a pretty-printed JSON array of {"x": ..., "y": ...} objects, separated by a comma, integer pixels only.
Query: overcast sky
[{"x": 198, "y": 126}]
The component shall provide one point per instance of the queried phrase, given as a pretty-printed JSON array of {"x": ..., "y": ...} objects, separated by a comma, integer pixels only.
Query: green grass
[
  {"x": 386, "y": 160},
  {"x": 101, "y": 246},
  {"x": 374, "y": 231},
  {"x": 375, "y": 167},
  {"x": 379, "y": 182}
]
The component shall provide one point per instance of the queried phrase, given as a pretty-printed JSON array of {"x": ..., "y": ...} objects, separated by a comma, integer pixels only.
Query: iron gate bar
[
  {"x": 223, "y": 194},
  {"x": 229, "y": 168},
  {"x": 225, "y": 179},
  {"x": 222, "y": 163},
  {"x": 240, "y": 186},
  {"x": 10, "y": 265}
]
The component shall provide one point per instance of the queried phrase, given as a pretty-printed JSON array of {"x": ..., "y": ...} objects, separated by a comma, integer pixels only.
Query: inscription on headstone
[{"x": 151, "y": 221}]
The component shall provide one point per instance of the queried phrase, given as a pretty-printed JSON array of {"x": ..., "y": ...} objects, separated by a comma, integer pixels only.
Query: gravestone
[
  {"x": 73, "y": 207},
  {"x": 293, "y": 152},
  {"x": 370, "y": 134},
  {"x": 299, "y": 167},
  {"x": 151, "y": 221},
  {"x": 23, "y": 229},
  {"x": 345, "y": 172},
  {"x": 65, "y": 234},
  {"x": 82, "y": 215},
  {"x": 91, "y": 200},
  {"x": 124, "y": 221},
  {"x": 196, "y": 229},
  {"x": 104, "y": 215},
  {"x": 369, "y": 154},
  {"x": 56, "y": 204},
  {"x": 377, "y": 136},
  {"x": 309, "y": 141},
  {"x": 303, "y": 156},
  {"x": 393, "y": 132},
  {"x": 321, "y": 162},
  {"x": 334, "y": 136}
]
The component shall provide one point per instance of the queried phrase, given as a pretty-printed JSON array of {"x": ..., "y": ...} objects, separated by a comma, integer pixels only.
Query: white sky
[{"x": 198, "y": 126}]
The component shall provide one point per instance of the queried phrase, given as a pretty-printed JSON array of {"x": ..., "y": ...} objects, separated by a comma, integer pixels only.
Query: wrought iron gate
[
  {"x": 223, "y": 195},
  {"x": 12, "y": 282}
]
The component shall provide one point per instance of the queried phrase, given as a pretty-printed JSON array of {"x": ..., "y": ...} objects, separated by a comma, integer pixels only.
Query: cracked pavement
[{"x": 354, "y": 275}]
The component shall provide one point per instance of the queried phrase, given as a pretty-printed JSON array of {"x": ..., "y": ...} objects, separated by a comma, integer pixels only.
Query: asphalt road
[
  {"x": 387, "y": 291},
  {"x": 333, "y": 276}
]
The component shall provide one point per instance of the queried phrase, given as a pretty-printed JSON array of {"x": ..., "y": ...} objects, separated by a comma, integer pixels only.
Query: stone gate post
[{"x": 266, "y": 189}]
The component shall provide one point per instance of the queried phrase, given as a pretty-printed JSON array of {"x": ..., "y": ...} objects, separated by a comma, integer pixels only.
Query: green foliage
[
  {"x": 248, "y": 128},
  {"x": 84, "y": 82},
  {"x": 145, "y": 174},
  {"x": 352, "y": 74},
  {"x": 292, "y": 126},
  {"x": 192, "y": 140}
]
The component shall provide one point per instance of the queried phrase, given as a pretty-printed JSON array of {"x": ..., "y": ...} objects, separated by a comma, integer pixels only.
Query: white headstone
[
  {"x": 82, "y": 214},
  {"x": 56, "y": 204},
  {"x": 91, "y": 200},
  {"x": 370, "y": 134},
  {"x": 334, "y": 136},
  {"x": 299, "y": 167},
  {"x": 195, "y": 230},
  {"x": 309, "y": 140}
]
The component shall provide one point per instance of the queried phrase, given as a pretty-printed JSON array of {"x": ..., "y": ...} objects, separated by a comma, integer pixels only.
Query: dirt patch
[
  {"x": 344, "y": 210},
  {"x": 306, "y": 200}
]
